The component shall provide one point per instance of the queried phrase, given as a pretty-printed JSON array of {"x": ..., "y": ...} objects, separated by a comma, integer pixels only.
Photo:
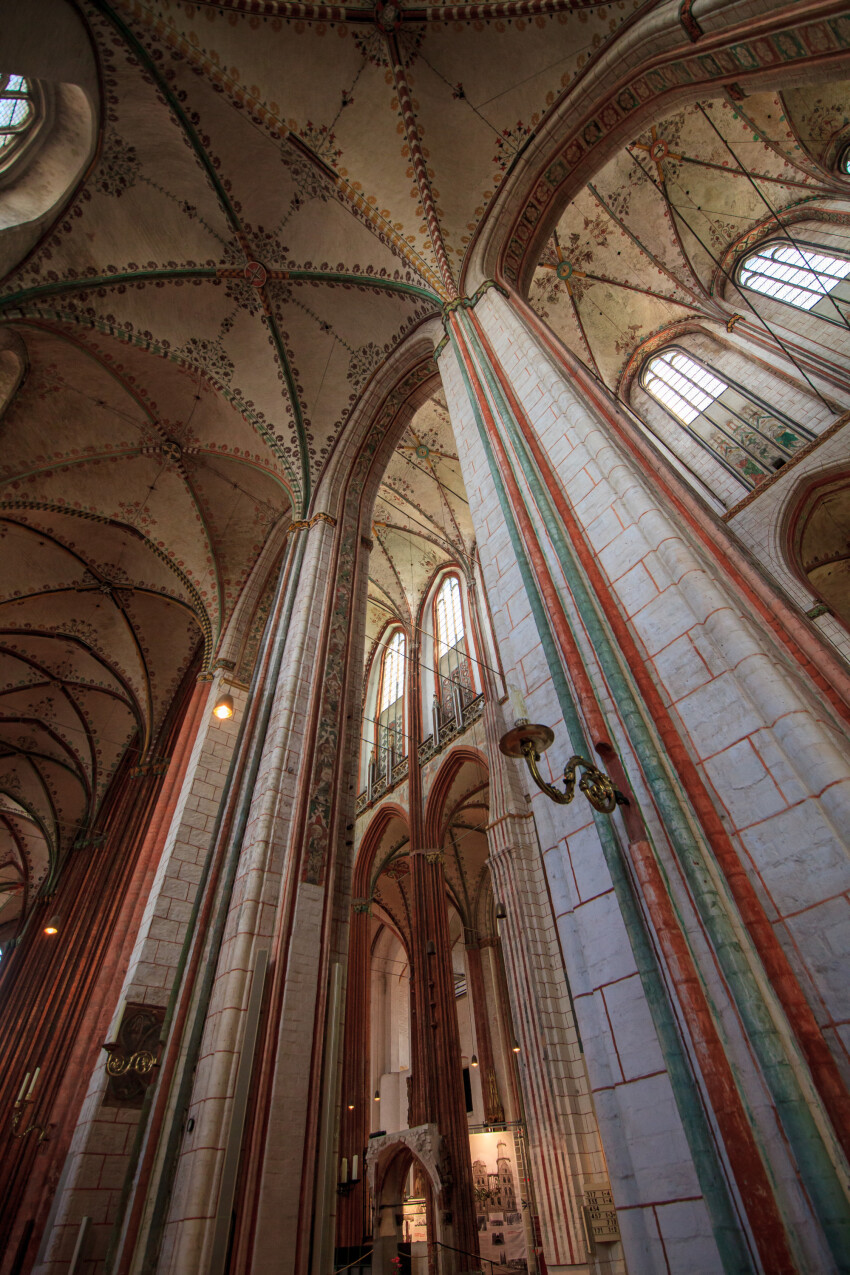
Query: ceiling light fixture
[
  {"x": 223, "y": 707},
  {"x": 473, "y": 1062},
  {"x": 377, "y": 1097}
]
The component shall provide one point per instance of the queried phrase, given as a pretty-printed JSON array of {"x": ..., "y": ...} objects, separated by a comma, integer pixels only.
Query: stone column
[
  {"x": 268, "y": 899},
  {"x": 601, "y": 580}
]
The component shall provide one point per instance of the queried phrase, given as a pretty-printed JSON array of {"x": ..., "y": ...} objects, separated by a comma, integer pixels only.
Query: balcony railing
[{"x": 448, "y": 728}]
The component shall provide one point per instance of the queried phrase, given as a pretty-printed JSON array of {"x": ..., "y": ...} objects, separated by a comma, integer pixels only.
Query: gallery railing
[{"x": 385, "y": 770}]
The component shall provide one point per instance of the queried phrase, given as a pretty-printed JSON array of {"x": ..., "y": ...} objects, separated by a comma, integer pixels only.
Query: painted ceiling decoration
[
  {"x": 277, "y": 198},
  {"x": 650, "y": 244}
]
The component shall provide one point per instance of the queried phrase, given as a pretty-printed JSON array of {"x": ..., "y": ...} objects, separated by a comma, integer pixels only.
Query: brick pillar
[
  {"x": 437, "y": 1094},
  {"x": 494, "y": 1112},
  {"x": 355, "y": 1123},
  {"x": 103, "y": 1138},
  {"x": 440, "y": 1097},
  {"x": 101, "y": 900}
]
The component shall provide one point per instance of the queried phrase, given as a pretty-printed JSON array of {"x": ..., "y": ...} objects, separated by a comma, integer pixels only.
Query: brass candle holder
[
  {"x": 531, "y": 740},
  {"x": 26, "y": 1096}
]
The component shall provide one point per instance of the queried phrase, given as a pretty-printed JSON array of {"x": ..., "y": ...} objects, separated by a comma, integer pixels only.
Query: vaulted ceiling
[
  {"x": 465, "y": 854},
  {"x": 276, "y": 199},
  {"x": 649, "y": 241}
]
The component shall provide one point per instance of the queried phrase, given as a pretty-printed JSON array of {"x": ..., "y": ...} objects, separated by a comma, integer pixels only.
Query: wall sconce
[
  {"x": 473, "y": 1062},
  {"x": 351, "y": 1106},
  {"x": 377, "y": 1097},
  {"x": 530, "y": 740},
  {"x": 430, "y": 949},
  {"x": 24, "y": 1098},
  {"x": 346, "y": 1183},
  {"x": 52, "y": 926},
  {"x": 516, "y": 1047},
  {"x": 501, "y": 912},
  {"x": 223, "y": 707}
]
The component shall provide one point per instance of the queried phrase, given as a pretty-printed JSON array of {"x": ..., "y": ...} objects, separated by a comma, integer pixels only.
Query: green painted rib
[
  {"x": 814, "y": 1160},
  {"x": 728, "y": 1235},
  {"x": 14, "y": 300},
  {"x": 365, "y": 281}
]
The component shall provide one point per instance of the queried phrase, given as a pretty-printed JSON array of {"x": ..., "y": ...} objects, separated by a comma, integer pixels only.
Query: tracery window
[
  {"x": 801, "y": 275},
  {"x": 746, "y": 435},
  {"x": 453, "y": 672},
  {"x": 18, "y": 115},
  {"x": 390, "y": 725}
]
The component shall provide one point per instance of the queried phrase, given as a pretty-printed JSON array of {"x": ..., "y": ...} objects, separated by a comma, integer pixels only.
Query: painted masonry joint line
[
  {"x": 815, "y": 1151},
  {"x": 710, "y": 1171}
]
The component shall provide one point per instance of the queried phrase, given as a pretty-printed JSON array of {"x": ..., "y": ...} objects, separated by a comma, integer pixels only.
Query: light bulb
[{"x": 223, "y": 707}]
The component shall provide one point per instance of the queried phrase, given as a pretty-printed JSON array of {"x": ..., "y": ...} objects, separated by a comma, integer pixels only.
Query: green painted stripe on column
[
  {"x": 726, "y": 1226},
  {"x": 813, "y": 1157}
]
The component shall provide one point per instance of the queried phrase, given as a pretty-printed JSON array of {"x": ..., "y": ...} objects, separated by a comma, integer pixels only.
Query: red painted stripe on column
[
  {"x": 821, "y": 665},
  {"x": 822, "y": 1065},
  {"x": 738, "y": 1138}
]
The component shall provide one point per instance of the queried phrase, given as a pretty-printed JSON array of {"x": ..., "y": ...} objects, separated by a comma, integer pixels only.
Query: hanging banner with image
[{"x": 498, "y": 1200}]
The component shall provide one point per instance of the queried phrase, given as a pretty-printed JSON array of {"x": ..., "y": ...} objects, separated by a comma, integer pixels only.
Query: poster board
[{"x": 498, "y": 1200}]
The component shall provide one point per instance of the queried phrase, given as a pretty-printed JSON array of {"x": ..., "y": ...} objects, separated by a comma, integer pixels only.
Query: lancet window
[
  {"x": 749, "y": 438},
  {"x": 801, "y": 275},
  {"x": 18, "y": 115},
  {"x": 390, "y": 741},
  {"x": 454, "y": 687}
]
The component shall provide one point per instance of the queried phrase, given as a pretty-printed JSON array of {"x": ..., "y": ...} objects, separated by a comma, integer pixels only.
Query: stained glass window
[
  {"x": 17, "y": 113},
  {"x": 798, "y": 275},
  {"x": 749, "y": 438}
]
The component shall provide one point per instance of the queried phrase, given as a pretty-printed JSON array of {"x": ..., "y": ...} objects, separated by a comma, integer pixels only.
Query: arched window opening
[
  {"x": 454, "y": 688},
  {"x": 18, "y": 115},
  {"x": 820, "y": 540},
  {"x": 390, "y": 742},
  {"x": 803, "y": 276},
  {"x": 750, "y": 439}
]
